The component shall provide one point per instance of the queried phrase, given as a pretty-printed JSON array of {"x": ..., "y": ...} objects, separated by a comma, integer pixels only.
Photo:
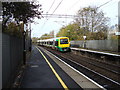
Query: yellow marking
[
  {"x": 64, "y": 45},
  {"x": 58, "y": 77}
]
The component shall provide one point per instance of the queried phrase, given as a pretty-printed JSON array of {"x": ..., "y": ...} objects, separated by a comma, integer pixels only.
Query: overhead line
[
  {"x": 66, "y": 15},
  {"x": 59, "y": 15},
  {"x": 51, "y": 6},
  {"x": 57, "y": 6},
  {"x": 74, "y": 4},
  {"x": 48, "y": 11},
  {"x": 54, "y": 11},
  {"x": 104, "y": 4}
]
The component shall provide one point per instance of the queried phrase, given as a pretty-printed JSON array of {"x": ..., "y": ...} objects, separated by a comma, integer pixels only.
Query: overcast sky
[{"x": 70, "y": 7}]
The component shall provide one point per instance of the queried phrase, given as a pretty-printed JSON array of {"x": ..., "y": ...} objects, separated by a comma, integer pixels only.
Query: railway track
[
  {"x": 111, "y": 70},
  {"x": 105, "y": 74}
]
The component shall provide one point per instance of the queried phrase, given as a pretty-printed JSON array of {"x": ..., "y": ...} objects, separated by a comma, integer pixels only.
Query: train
[{"x": 59, "y": 43}]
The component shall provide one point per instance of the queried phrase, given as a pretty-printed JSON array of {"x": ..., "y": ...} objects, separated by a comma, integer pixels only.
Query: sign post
[{"x": 84, "y": 41}]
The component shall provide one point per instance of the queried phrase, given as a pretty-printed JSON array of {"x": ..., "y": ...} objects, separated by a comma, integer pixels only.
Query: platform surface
[{"x": 38, "y": 73}]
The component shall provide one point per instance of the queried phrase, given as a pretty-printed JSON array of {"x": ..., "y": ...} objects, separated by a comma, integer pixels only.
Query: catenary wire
[
  {"x": 53, "y": 12},
  {"x": 51, "y": 6},
  {"x": 72, "y": 5}
]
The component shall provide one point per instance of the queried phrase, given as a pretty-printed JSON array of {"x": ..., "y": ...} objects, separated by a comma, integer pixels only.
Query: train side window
[
  {"x": 52, "y": 43},
  {"x": 56, "y": 43}
]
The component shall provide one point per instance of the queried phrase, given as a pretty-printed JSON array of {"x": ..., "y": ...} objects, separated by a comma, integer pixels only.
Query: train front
[{"x": 64, "y": 44}]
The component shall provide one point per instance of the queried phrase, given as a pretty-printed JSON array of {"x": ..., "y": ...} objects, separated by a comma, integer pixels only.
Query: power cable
[
  {"x": 73, "y": 5},
  {"x": 48, "y": 11},
  {"x": 51, "y": 6},
  {"x": 57, "y": 6},
  {"x": 70, "y": 9},
  {"x": 104, "y": 4},
  {"x": 59, "y": 15},
  {"x": 53, "y": 11}
]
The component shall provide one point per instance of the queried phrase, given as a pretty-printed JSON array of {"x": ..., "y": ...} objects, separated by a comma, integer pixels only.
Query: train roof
[
  {"x": 60, "y": 37},
  {"x": 51, "y": 39}
]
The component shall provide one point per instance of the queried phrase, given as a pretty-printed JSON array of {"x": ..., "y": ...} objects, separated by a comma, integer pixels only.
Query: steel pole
[
  {"x": 24, "y": 50},
  {"x": 119, "y": 26}
]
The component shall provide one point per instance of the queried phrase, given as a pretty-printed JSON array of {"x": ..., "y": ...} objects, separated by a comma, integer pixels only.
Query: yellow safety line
[{"x": 58, "y": 77}]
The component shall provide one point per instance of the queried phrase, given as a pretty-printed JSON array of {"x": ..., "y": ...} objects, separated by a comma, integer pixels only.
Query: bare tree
[{"x": 91, "y": 19}]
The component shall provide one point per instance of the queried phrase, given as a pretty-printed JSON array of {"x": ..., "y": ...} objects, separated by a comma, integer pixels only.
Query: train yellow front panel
[{"x": 64, "y": 45}]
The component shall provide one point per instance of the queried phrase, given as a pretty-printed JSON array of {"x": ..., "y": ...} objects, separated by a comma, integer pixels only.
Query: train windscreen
[{"x": 63, "y": 41}]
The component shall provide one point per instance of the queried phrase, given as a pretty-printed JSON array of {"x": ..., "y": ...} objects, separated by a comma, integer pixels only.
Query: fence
[
  {"x": 102, "y": 45},
  {"x": 12, "y": 58}
]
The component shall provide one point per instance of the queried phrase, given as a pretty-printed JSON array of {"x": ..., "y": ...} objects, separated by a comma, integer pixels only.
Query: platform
[{"x": 44, "y": 70}]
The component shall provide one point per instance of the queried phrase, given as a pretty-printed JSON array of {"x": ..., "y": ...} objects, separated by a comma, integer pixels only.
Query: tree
[
  {"x": 45, "y": 36},
  {"x": 34, "y": 39},
  {"x": 13, "y": 29},
  {"x": 20, "y": 11},
  {"x": 72, "y": 31},
  {"x": 91, "y": 19},
  {"x": 51, "y": 34}
]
